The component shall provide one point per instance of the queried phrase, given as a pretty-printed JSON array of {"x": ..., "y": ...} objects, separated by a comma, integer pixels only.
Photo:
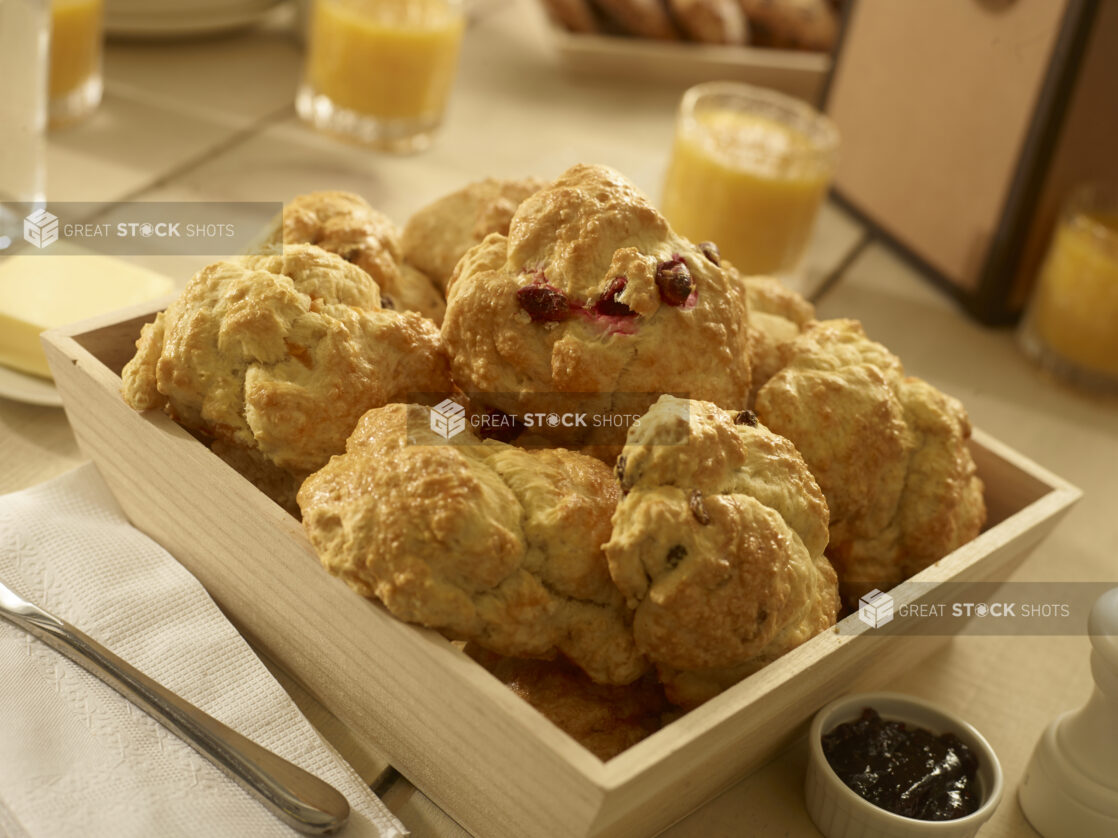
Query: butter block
[{"x": 41, "y": 292}]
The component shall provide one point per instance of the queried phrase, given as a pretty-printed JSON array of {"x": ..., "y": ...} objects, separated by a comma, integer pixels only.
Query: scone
[
  {"x": 605, "y": 719},
  {"x": 717, "y": 543},
  {"x": 711, "y": 21},
  {"x": 345, "y": 224},
  {"x": 889, "y": 451},
  {"x": 438, "y": 235},
  {"x": 481, "y": 540},
  {"x": 777, "y": 316},
  {"x": 593, "y": 302},
  {"x": 276, "y": 357}
]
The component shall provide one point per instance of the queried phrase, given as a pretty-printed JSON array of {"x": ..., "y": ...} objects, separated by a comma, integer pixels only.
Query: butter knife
[{"x": 295, "y": 796}]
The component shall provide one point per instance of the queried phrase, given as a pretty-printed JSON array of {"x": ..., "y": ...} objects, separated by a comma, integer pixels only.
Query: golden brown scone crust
[
  {"x": 711, "y": 21},
  {"x": 585, "y": 234},
  {"x": 605, "y": 719},
  {"x": 438, "y": 235},
  {"x": 718, "y": 545},
  {"x": 345, "y": 224},
  {"x": 889, "y": 452},
  {"x": 644, "y": 18},
  {"x": 483, "y": 541},
  {"x": 777, "y": 315},
  {"x": 281, "y": 354}
]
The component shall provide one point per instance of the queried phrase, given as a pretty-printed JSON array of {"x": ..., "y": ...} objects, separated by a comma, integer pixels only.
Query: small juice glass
[
  {"x": 749, "y": 169},
  {"x": 1071, "y": 324},
  {"x": 75, "y": 59},
  {"x": 380, "y": 71}
]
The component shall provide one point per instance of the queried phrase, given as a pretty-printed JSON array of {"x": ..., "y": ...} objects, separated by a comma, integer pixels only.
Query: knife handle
[{"x": 295, "y": 796}]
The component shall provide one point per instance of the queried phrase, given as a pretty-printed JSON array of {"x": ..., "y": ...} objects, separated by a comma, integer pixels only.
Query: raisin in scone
[
  {"x": 276, "y": 358},
  {"x": 889, "y": 451},
  {"x": 592, "y": 293},
  {"x": 604, "y": 718},
  {"x": 718, "y": 544},
  {"x": 439, "y": 234},
  {"x": 481, "y": 540},
  {"x": 345, "y": 224}
]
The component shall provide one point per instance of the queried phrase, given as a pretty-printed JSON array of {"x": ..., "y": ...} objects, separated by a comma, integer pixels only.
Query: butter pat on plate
[{"x": 39, "y": 292}]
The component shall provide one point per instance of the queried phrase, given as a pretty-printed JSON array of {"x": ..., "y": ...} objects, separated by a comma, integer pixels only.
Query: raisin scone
[
  {"x": 345, "y": 224},
  {"x": 439, "y": 234},
  {"x": 481, "y": 540},
  {"x": 276, "y": 357},
  {"x": 591, "y": 293},
  {"x": 889, "y": 451},
  {"x": 777, "y": 316},
  {"x": 604, "y": 718},
  {"x": 718, "y": 544}
]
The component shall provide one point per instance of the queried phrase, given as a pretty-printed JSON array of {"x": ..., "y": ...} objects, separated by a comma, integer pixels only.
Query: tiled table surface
[{"x": 213, "y": 120}]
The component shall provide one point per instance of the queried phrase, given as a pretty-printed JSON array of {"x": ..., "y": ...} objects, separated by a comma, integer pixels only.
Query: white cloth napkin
[{"x": 78, "y": 759}]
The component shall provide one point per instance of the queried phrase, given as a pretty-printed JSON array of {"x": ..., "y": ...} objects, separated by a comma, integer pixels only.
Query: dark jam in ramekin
[{"x": 904, "y": 770}]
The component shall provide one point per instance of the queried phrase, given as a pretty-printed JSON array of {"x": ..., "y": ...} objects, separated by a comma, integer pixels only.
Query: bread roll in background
[
  {"x": 792, "y": 24},
  {"x": 711, "y": 21}
]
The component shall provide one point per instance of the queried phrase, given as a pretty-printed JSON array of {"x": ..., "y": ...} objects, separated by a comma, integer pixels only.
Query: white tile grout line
[
  {"x": 207, "y": 155},
  {"x": 839, "y": 271}
]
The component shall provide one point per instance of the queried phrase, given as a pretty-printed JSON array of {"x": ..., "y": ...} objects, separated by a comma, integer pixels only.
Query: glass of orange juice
[
  {"x": 381, "y": 71},
  {"x": 75, "y": 59},
  {"x": 1071, "y": 324},
  {"x": 748, "y": 171}
]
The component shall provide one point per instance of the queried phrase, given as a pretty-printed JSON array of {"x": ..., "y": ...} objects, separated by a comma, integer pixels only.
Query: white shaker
[{"x": 1071, "y": 784}]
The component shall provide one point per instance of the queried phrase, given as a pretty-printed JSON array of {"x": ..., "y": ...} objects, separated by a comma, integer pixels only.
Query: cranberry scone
[
  {"x": 480, "y": 540},
  {"x": 889, "y": 451},
  {"x": 592, "y": 294},
  {"x": 717, "y": 543}
]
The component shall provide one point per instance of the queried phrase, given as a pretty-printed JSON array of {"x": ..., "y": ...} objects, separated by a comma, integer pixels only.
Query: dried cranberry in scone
[
  {"x": 609, "y": 304},
  {"x": 542, "y": 302}
]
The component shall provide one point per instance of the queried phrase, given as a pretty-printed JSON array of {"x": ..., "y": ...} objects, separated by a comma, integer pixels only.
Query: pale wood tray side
[{"x": 477, "y": 750}]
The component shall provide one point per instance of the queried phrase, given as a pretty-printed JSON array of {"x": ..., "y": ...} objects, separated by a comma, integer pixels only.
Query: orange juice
[
  {"x": 748, "y": 178},
  {"x": 75, "y": 44},
  {"x": 1075, "y": 310},
  {"x": 390, "y": 59}
]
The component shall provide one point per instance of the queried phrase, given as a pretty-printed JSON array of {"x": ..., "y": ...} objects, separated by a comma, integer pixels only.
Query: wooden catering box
[
  {"x": 486, "y": 757},
  {"x": 964, "y": 127}
]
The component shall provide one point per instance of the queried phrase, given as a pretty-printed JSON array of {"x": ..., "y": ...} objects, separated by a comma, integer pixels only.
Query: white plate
[{"x": 29, "y": 389}]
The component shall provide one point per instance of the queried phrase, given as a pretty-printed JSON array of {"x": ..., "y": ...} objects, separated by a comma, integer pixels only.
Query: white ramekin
[{"x": 839, "y": 812}]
